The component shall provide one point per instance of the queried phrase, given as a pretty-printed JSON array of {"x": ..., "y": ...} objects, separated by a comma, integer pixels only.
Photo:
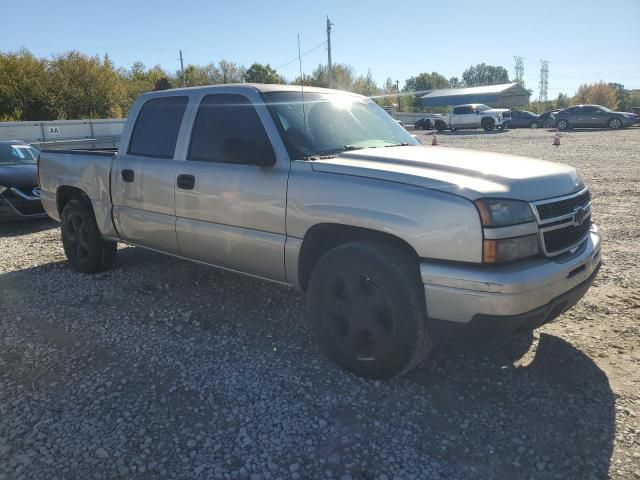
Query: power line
[{"x": 322, "y": 44}]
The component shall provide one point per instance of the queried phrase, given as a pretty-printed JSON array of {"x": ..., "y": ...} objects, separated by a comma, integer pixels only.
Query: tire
[
  {"x": 366, "y": 304},
  {"x": 533, "y": 125},
  {"x": 440, "y": 126},
  {"x": 488, "y": 124},
  {"x": 86, "y": 250},
  {"x": 562, "y": 124},
  {"x": 614, "y": 123}
]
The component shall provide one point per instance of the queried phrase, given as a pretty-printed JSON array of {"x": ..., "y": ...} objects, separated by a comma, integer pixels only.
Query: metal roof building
[{"x": 502, "y": 95}]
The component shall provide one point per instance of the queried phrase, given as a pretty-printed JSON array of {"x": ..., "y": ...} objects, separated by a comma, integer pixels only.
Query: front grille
[
  {"x": 22, "y": 205},
  {"x": 563, "y": 238},
  {"x": 563, "y": 207}
]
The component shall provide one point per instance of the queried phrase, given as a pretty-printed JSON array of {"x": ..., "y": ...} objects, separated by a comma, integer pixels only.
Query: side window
[
  {"x": 228, "y": 129},
  {"x": 156, "y": 130},
  {"x": 573, "y": 110},
  {"x": 458, "y": 110}
]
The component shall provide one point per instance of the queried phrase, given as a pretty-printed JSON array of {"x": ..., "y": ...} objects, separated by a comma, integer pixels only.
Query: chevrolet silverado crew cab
[
  {"x": 473, "y": 115},
  {"x": 396, "y": 244}
]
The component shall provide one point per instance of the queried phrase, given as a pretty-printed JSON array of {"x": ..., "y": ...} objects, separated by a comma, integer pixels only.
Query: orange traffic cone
[
  {"x": 556, "y": 139},
  {"x": 434, "y": 140}
]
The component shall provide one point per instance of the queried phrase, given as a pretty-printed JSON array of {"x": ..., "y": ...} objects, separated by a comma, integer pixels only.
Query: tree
[
  {"x": 597, "y": 93},
  {"x": 622, "y": 96},
  {"x": 483, "y": 74},
  {"x": 454, "y": 82},
  {"x": 342, "y": 77},
  {"x": 365, "y": 85},
  {"x": 162, "y": 83},
  {"x": 418, "y": 86},
  {"x": 87, "y": 87},
  {"x": 562, "y": 101},
  {"x": 25, "y": 90},
  {"x": 259, "y": 73}
]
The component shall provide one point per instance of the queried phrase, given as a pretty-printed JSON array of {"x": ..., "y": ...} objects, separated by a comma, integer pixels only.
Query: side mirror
[
  {"x": 477, "y": 112},
  {"x": 246, "y": 152}
]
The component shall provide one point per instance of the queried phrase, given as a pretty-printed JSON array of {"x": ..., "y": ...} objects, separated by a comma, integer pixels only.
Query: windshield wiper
[
  {"x": 403, "y": 144},
  {"x": 333, "y": 151}
]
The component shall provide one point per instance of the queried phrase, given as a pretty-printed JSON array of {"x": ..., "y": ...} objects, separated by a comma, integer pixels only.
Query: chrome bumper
[{"x": 458, "y": 292}]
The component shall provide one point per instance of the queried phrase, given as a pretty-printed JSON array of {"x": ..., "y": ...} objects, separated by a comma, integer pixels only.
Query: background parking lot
[{"x": 161, "y": 367}]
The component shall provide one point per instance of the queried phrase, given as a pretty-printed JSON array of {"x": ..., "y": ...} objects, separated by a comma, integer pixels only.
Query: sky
[{"x": 584, "y": 41}]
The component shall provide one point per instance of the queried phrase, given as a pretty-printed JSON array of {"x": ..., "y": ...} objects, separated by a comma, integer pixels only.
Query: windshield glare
[
  {"x": 332, "y": 123},
  {"x": 18, "y": 154}
]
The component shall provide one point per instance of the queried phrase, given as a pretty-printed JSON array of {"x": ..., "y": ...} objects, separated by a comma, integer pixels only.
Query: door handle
[
  {"x": 186, "y": 182},
  {"x": 127, "y": 175}
]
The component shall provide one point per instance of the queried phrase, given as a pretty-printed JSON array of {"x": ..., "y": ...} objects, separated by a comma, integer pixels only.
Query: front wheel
[
  {"x": 533, "y": 125},
  {"x": 83, "y": 244},
  {"x": 562, "y": 124},
  {"x": 366, "y": 304},
  {"x": 615, "y": 123},
  {"x": 488, "y": 124}
]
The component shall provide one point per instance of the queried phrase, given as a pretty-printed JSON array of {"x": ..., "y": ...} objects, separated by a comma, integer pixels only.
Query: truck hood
[
  {"x": 497, "y": 110},
  {"x": 468, "y": 173}
]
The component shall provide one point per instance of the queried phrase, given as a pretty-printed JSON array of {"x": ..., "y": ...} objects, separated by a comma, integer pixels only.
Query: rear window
[{"x": 156, "y": 130}]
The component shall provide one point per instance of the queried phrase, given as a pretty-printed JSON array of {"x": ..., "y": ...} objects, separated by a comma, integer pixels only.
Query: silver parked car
[{"x": 592, "y": 116}]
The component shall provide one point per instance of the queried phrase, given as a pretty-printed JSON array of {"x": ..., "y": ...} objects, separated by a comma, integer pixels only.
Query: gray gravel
[{"x": 163, "y": 368}]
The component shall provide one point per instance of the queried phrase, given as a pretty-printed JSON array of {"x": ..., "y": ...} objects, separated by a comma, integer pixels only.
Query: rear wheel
[
  {"x": 440, "y": 126},
  {"x": 85, "y": 248},
  {"x": 367, "y": 307},
  {"x": 488, "y": 124},
  {"x": 615, "y": 123}
]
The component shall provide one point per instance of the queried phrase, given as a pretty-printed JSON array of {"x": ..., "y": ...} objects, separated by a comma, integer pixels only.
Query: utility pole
[
  {"x": 184, "y": 83},
  {"x": 329, "y": 65},
  {"x": 519, "y": 70},
  {"x": 398, "y": 92},
  {"x": 544, "y": 80}
]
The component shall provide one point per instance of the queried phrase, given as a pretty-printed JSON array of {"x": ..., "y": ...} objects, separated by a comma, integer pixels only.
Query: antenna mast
[
  {"x": 544, "y": 80},
  {"x": 182, "y": 70},
  {"x": 329, "y": 65},
  {"x": 519, "y": 70}
]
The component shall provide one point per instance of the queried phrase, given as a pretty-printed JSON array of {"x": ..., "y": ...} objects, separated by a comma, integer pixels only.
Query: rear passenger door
[
  {"x": 230, "y": 210},
  {"x": 143, "y": 176}
]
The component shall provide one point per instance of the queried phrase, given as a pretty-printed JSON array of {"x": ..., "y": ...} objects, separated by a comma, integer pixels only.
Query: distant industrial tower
[
  {"x": 519, "y": 69},
  {"x": 544, "y": 80}
]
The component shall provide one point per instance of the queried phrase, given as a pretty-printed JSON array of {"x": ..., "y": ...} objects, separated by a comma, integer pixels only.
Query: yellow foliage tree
[{"x": 598, "y": 94}]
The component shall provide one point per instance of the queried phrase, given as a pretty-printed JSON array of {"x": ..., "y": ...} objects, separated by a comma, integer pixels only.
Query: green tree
[
  {"x": 416, "y": 86},
  {"x": 483, "y": 74},
  {"x": 25, "y": 90},
  {"x": 562, "y": 101},
  {"x": 343, "y": 77},
  {"x": 365, "y": 85},
  {"x": 87, "y": 87},
  {"x": 454, "y": 82},
  {"x": 259, "y": 73}
]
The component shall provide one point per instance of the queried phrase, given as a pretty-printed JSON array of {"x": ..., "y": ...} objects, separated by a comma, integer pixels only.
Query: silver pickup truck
[{"x": 396, "y": 244}]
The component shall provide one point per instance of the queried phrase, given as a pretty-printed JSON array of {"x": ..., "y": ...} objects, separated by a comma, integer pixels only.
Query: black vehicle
[
  {"x": 422, "y": 124},
  {"x": 592, "y": 116},
  {"x": 548, "y": 119},
  {"x": 19, "y": 191},
  {"x": 524, "y": 119}
]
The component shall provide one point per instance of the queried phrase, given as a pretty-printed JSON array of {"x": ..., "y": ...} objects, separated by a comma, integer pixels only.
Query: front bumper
[
  {"x": 14, "y": 206},
  {"x": 484, "y": 302}
]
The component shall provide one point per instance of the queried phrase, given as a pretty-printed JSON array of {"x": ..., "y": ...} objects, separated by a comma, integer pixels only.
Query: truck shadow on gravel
[
  {"x": 468, "y": 411},
  {"x": 24, "y": 227}
]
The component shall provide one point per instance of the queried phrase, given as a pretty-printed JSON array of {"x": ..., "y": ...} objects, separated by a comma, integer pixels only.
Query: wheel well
[
  {"x": 66, "y": 193},
  {"x": 321, "y": 238}
]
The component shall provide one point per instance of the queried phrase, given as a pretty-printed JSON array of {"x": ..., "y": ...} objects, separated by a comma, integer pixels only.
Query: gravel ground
[{"x": 163, "y": 368}]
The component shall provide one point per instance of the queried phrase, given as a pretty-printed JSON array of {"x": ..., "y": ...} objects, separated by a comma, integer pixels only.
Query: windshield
[
  {"x": 482, "y": 108},
  {"x": 13, "y": 154},
  {"x": 333, "y": 123}
]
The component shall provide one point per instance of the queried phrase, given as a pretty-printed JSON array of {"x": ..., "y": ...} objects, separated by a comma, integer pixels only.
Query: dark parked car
[
  {"x": 422, "y": 124},
  {"x": 636, "y": 111},
  {"x": 592, "y": 116},
  {"x": 524, "y": 119},
  {"x": 19, "y": 191},
  {"x": 548, "y": 119}
]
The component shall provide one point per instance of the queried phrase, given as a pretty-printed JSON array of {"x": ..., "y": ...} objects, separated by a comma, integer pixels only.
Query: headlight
[
  {"x": 496, "y": 212},
  {"x": 508, "y": 249}
]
